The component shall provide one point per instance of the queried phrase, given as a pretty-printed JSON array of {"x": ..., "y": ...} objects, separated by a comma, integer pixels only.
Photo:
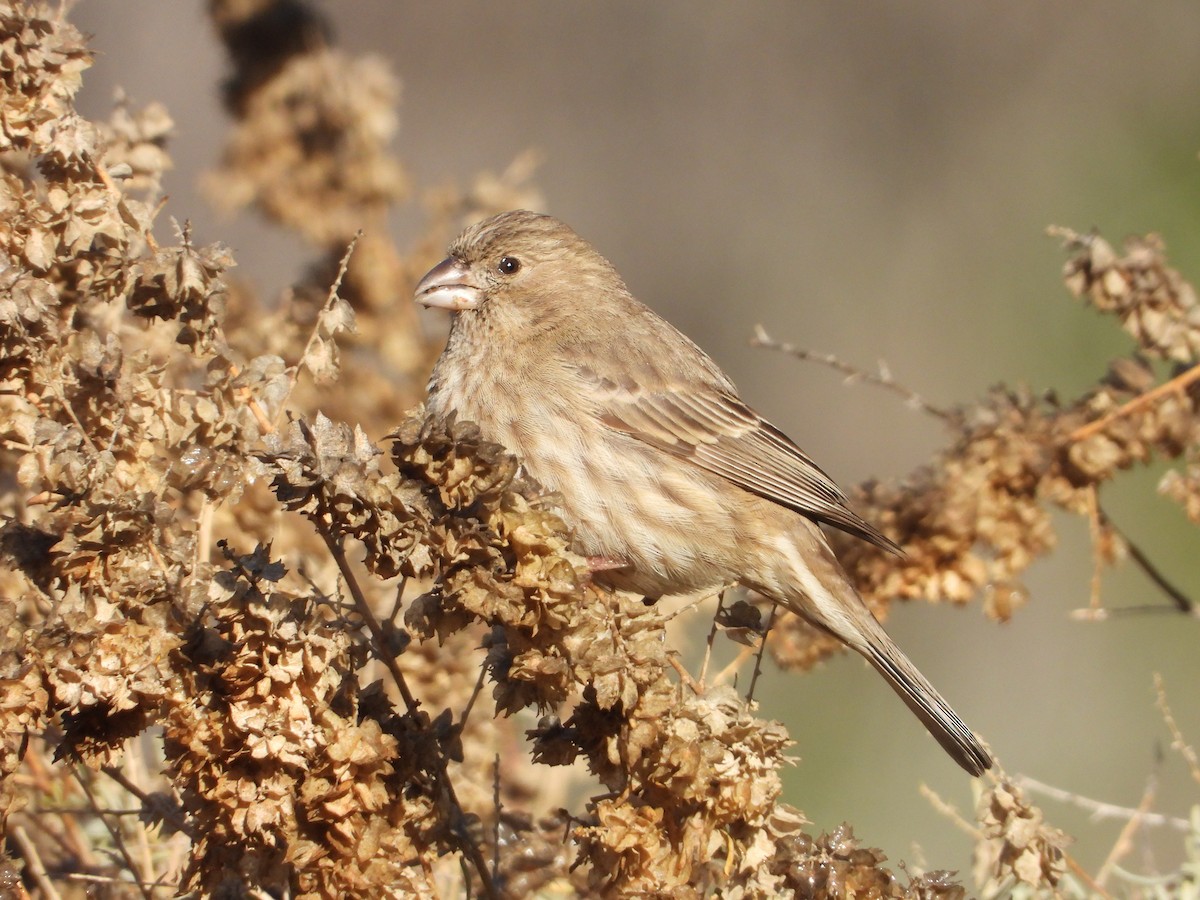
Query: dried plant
[{"x": 316, "y": 670}]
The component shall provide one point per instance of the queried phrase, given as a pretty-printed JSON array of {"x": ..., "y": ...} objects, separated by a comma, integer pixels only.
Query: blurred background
[{"x": 870, "y": 180}]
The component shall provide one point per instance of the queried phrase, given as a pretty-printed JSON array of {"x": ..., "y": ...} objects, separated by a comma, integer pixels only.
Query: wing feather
[{"x": 715, "y": 431}]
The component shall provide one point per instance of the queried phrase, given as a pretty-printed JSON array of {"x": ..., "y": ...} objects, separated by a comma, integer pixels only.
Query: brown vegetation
[{"x": 228, "y": 613}]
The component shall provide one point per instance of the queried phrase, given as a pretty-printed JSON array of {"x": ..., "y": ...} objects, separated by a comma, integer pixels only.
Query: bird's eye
[{"x": 509, "y": 265}]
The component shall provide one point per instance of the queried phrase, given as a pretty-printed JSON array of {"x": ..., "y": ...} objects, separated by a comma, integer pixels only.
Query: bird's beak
[{"x": 449, "y": 285}]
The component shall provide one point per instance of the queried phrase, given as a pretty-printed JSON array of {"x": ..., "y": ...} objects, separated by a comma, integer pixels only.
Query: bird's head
[{"x": 522, "y": 262}]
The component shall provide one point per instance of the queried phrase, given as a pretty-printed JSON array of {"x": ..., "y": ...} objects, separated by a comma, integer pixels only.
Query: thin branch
[
  {"x": 398, "y": 606},
  {"x": 1082, "y": 874},
  {"x": 368, "y": 616},
  {"x": 1168, "y": 880},
  {"x": 466, "y": 713},
  {"x": 950, "y": 811},
  {"x": 1186, "y": 750},
  {"x": 1098, "y": 809},
  {"x": 758, "y": 657},
  {"x": 204, "y": 533},
  {"x": 690, "y": 605},
  {"x": 1098, "y": 520},
  {"x": 110, "y": 880},
  {"x": 708, "y": 644},
  {"x": 883, "y": 378},
  {"x": 265, "y": 423},
  {"x": 330, "y": 299},
  {"x": 730, "y": 670},
  {"x": 177, "y": 820},
  {"x": 1096, "y": 524},
  {"x": 442, "y": 775},
  {"x": 1175, "y": 385},
  {"x": 117, "y": 838},
  {"x": 497, "y": 809},
  {"x": 1087, "y": 614},
  {"x": 1182, "y": 601},
  {"x": 1124, "y": 842},
  {"x": 245, "y": 395},
  {"x": 684, "y": 675},
  {"x": 33, "y": 863}
]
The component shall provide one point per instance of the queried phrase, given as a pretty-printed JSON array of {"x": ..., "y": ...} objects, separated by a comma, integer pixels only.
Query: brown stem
[
  {"x": 1174, "y": 385},
  {"x": 758, "y": 657},
  {"x": 1182, "y": 601},
  {"x": 117, "y": 837},
  {"x": 881, "y": 379},
  {"x": 442, "y": 776}
]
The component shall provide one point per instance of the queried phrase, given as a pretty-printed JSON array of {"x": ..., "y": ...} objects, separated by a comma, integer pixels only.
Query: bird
[{"x": 670, "y": 482}]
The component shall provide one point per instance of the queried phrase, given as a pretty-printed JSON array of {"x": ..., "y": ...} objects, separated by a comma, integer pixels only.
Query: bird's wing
[{"x": 715, "y": 431}]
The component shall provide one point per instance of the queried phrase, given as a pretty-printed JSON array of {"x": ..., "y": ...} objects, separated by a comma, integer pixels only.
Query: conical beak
[{"x": 449, "y": 285}]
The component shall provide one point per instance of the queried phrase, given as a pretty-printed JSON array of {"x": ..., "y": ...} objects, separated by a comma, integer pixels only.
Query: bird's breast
[{"x": 623, "y": 499}]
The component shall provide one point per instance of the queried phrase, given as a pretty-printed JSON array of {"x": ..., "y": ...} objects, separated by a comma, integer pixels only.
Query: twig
[
  {"x": 1124, "y": 842},
  {"x": 442, "y": 775},
  {"x": 330, "y": 299},
  {"x": 368, "y": 615},
  {"x": 1087, "y": 614},
  {"x": 265, "y": 423},
  {"x": 684, "y": 675},
  {"x": 1186, "y": 750},
  {"x": 1140, "y": 880},
  {"x": 33, "y": 863},
  {"x": 1096, "y": 533},
  {"x": 708, "y": 645},
  {"x": 134, "y": 772},
  {"x": 108, "y": 879},
  {"x": 1098, "y": 809},
  {"x": 758, "y": 658},
  {"x": 178, "y": 821},
  {"x": 115, "y": 834},
  {"x": 466, "y": 713},
  {"x": 1174, "y": 385},
  {"x": 744, "y": 653},
  {"x": 950, "y": 812},
  {"x": 1098, "y": 520},
  {"x": 245, "y": 395},
  {"x": 1182, "y": 602},
  {"x": 497, "y": 809},
  {"x": 81, "y": 810},
  {"x": 1082, "y": 874},
  {"x": 110, "y": 185},
  {"x": 204, "y": 532},
  {"x": 690, "y": 605},
  {"x": 398, "y": 606},
  {"x": 881, "y": 379}
]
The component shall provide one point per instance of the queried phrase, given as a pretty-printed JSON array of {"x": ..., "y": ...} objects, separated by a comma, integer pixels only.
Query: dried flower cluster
[
  {"x": 289, "y": 774},
  {"x": 1018, "y": 846},
  {"x": 976, "y": 517},
  {"x": 317, "y": 670}
]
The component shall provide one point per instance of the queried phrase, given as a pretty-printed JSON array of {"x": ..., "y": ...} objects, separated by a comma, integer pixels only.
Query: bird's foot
[
  {"x": 598, "y": 565},
  {"x": 606, "y": 564}
]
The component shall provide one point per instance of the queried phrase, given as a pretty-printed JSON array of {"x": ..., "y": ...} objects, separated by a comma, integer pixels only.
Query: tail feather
[
  {"x": 934, "y": 712},
  {"x": 820, "y": 592}
]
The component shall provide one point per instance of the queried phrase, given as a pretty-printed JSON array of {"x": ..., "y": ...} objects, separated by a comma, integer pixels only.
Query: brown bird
[{"x": 671, "y": 483}]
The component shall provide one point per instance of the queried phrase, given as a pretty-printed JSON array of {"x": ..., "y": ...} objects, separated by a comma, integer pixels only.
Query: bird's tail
[
  {"x": 923, "y": 699},
  {"x": 822, "y": 595}
]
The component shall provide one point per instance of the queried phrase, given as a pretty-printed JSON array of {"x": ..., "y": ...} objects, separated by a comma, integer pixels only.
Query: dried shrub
[
  {"x": 974, "y": 519},
  {"x": 233, "y": 610}
]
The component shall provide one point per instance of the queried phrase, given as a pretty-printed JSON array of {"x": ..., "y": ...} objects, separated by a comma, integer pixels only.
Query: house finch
[{"x": 670, "y": 482}]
